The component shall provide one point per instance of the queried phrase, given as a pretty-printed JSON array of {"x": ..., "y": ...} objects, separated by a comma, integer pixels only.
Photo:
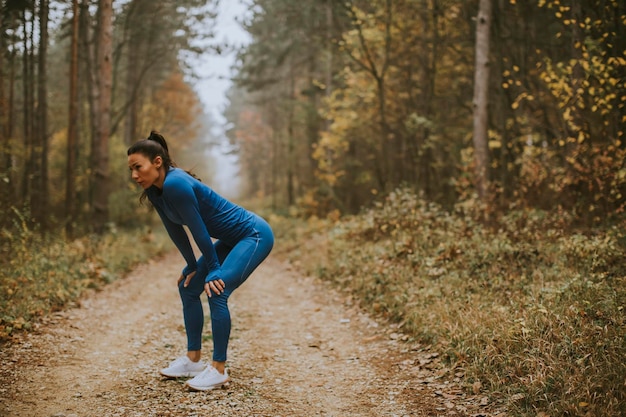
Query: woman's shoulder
[
  {"x": 177, "y": 179},
  {"x": 177, "y": 175}
]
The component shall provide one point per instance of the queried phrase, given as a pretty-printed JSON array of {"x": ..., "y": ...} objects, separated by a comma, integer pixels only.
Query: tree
[
  {"x": 72, "y": 125},
  {"x": 5, "y": 195},
  {"x": 481, "y": 98},
  {"x": 426, "y": 47},
  {"x": 100, "y": 151},
  {"x": 152, "y": 38},
  {"x": 373, "y": 56},
  {"x": 8, "y": 42},
  {"x": 40, "y": 197},
  {"x": 28, "y": 83},
  {"x": 286, "y": 73},
  {"x": 559, "y": 124},
  {"x": 38, "y": 50}
]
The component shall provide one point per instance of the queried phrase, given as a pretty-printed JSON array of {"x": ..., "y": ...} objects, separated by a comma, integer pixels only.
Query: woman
[{"x": 243, "y": 241}]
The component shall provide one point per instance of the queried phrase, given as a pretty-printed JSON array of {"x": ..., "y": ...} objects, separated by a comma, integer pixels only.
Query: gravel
[{"x": 297, "y": 348}]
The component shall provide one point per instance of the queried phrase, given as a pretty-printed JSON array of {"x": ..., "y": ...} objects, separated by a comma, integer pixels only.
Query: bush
[
  {"x": 42, "y": 273},
  {"x": 532, "y": 312}
]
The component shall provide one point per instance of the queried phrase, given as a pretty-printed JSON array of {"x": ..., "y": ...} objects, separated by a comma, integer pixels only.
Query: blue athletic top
[{"x": 186, "y": 201}]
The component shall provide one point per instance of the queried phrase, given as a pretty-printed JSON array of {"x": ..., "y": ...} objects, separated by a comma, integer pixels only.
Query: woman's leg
[
  {"x": 193, "y": 313},
  {"x": 239, "y": 262}
]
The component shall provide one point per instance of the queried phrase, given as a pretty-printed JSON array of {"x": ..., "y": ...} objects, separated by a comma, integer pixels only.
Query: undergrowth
[
  {"x": 533, "y": 314},
  {"x": 43, "y": 273}
]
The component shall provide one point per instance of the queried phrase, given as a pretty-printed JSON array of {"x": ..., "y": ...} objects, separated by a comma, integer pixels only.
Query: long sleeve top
[{"x": 185, "y": 201}]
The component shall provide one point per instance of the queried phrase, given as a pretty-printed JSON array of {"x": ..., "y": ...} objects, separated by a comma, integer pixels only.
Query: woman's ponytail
[{"x": 157, "y": 137}]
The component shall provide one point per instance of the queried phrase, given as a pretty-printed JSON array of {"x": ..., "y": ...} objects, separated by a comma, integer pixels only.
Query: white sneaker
[
  {"x": 208, "y": 379},
  {"x": 183, "y": 367}
]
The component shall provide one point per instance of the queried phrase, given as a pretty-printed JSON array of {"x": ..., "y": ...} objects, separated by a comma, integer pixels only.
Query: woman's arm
[
  {"x": 181, "y": 240},
  {"x": 181, "y": 195}
]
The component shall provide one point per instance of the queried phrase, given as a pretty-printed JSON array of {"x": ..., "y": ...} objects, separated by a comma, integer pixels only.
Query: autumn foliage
[{"x": 391, "y": 81}]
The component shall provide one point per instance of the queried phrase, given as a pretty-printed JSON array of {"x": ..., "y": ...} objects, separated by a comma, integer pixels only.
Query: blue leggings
[{"x": 238, "y": 262}]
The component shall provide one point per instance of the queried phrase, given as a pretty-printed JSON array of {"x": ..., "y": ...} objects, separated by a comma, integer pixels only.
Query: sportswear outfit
[{"x": 242, "y": 241}]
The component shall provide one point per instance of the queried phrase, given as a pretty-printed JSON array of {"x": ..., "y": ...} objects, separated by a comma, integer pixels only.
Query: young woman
[{"x": 243, "y": 241}]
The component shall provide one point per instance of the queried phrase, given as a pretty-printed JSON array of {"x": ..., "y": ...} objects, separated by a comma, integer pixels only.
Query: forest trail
[{"x": 297, "y": 349}]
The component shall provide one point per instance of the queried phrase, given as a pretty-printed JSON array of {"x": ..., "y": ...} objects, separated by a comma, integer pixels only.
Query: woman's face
[{"x": 145, "y": 172}]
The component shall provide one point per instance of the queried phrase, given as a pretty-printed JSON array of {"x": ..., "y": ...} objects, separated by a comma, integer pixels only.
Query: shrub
[
  {"x": 536, "y": 314},
  {"x": 42, "y": 272}
]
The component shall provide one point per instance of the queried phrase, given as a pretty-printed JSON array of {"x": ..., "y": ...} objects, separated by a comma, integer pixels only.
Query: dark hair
[
  {"x": 155, "y": 145},
  {"x": 151, "y": 147}
]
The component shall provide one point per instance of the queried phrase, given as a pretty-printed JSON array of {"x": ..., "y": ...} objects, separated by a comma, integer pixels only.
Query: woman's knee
[
  {"x": 189, "y": 293},
  {"x": 266, "y": 234},
  {"x": 219, "y": 307}
]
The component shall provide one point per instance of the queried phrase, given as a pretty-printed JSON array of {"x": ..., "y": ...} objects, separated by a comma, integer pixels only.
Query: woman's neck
[{"x": 159, "y": 182}]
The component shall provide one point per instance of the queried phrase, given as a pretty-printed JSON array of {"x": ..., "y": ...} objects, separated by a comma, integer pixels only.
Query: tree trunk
[
  {"x": 419, "y": 162},
  {"x": 132, "y": 31},
  {"x": 100, "y": 152},
  {"x": 576, "y": 122},
  {"x": 290, "y": 137},
  {"x": 481, "y": 98},
  {"x": 72, "y": 126},
  {"x": 27, "y": 86},
  {"x": 272, "y": 184},
  {"x": 312, "y": 124},
  {"x": 3, "y": 104},
  {"x": 88, "y": 49},
  {"x": 10, "y": 128},
  {"x": 132, "y": 113},
  {"x": 386, "y": 141},
  {"x": 5, "y": 179},
  {"x": 3, "y": 107},
  {"x": 329, "y": 82},
  {"x": 41, "y": 208}
]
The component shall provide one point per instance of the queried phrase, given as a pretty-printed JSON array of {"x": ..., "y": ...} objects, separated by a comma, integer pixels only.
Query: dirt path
[{"x": 297, "y": 349}]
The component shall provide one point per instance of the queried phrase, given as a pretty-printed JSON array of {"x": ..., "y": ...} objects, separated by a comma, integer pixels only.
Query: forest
[
  {"x": 459, "y": 159},
  {"x": 358, "y": 98},
  {"x": 346, "y": 101}
]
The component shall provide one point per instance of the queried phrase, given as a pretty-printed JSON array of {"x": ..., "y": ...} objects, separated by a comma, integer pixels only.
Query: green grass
[{"x": 533, "y": 313}]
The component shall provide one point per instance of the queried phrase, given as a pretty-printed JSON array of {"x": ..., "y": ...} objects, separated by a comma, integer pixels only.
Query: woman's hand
[
  {"x": 217, "y": 286},
  {"x": 186, "y": 279}
]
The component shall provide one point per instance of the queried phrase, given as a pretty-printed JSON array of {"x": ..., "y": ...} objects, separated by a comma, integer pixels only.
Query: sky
[
  {"x": 214, "y": 81},
  {"x": 214, "y": 70}
]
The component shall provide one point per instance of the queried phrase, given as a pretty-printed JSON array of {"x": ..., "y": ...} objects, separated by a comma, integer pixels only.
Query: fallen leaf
[{"x": 476, "y": 387}]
